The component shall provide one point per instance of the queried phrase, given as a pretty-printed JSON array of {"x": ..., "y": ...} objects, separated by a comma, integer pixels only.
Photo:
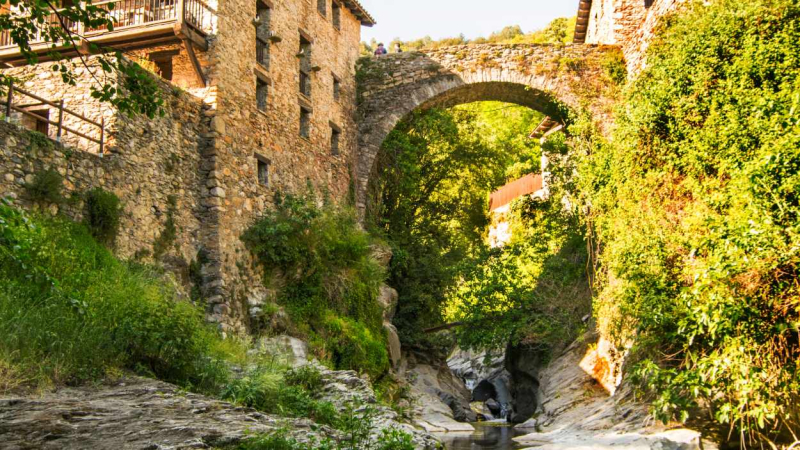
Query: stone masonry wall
[
  {"x": 244, "y": 134},
  {"x": 148, "y": 162}
]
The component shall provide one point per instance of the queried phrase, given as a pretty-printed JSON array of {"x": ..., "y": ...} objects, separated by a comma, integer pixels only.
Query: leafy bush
[
  {"x": 46, "y": 187},
  {"x": 696, "y": 209},
  {"x": 329, "y": 280},
  {"x": 102, "y": 215},
  {"x": 69, "y": 311}
]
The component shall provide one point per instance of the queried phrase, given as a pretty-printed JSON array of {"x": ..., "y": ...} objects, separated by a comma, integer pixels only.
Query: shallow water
[{"x": 492, "y": 436}]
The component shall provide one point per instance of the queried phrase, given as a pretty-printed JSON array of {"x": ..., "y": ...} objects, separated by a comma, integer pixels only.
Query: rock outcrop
[
  {"x": 577, "y": 412},
  {"x": 441, "y": 401},
  {"x": 133, "y": 413}
]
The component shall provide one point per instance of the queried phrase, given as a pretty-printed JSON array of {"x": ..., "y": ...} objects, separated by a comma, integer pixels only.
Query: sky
[{"x": 413, "y": 19}]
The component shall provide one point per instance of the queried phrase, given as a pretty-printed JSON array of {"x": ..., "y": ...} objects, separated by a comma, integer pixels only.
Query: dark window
[
  {"x": 305, "y": 122},
  {"x": 336, "y": 135},
  {"x": 42, "y": 125},
  {"x": 305, "y": 84},
  {"x": 337, "y": 88},
  {"x": 648, "y": 3},
  {"x": 262, "y": 94},
  {"x": 262, "y": 170},
  {"x": 305, "y": 66},
  {"x": 163, "y": 62},
  {"x": 263, "y": 34},
  {"x": 322, "y": 7},
  {"x": 336, "y": 15}
]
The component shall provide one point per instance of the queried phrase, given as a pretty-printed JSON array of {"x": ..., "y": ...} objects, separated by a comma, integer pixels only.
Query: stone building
[
  {"x": 629, "y": 24},
  {"x": 260, "y": 97}
]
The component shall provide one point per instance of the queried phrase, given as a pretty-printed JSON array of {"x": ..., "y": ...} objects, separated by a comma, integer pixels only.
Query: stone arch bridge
[{"x": 552, "y": 79}]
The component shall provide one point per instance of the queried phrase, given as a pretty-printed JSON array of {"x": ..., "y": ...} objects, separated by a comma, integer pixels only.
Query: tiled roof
[
  {"x": 584, "y": 7},
  {"x": 524, "y": 186},
  {"x": 355, "y": 7}
]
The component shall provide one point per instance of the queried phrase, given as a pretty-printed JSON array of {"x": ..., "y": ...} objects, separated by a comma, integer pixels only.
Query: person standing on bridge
[{"x": 381, "y": 50}]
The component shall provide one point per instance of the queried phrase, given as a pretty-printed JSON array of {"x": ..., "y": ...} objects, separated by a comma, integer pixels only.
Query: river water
[{"x": 487, "y": 436}]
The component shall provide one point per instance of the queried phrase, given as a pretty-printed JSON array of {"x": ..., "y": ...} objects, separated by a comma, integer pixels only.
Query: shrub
[
  {"x": 330, "y": 281},
  {"x": 46, "y": 187},
  {"x": 102, "y": 215},
  {"x": 169, "y": 234}
]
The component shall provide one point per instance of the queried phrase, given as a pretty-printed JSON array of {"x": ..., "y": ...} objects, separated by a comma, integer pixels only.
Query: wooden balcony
[{"x": 137, "y": 24}]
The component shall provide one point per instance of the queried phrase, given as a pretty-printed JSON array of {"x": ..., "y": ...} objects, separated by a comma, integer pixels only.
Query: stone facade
[
  {"x": 148, "y": 164},
  {"x": 551, "y": 79},
  {"x": 230, "y": 140},
  {"x": 629, "y": 24}
]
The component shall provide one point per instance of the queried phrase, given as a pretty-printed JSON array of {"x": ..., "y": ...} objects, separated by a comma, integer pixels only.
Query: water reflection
[{"x": 486, "y": 436}]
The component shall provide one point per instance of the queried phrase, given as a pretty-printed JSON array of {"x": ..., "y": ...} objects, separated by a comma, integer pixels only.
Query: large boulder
[
  {"x": 395, "y": 351},
  {"x": 441, "y": 399},
  {"x": 387, "y": 298},
  {"x": 292, "y": 351}
]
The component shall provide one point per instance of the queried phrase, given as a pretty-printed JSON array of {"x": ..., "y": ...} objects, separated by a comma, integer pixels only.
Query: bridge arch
[{"x": 552, "y": 79}]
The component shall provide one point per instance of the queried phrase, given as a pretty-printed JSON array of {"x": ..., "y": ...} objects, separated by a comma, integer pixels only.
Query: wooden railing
[
  {"x": 127, "y": 14},
  {"x": 60, "y": 127}
]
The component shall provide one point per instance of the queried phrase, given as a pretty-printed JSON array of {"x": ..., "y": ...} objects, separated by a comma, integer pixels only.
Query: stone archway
[{"x": 552, "y": 79}]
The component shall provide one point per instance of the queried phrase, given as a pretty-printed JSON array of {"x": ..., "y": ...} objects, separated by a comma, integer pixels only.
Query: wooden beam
[
  {"x": 183, "y": 31},
  {"x": 198, "y": 70},
  {"x": 446, "y": 326}
]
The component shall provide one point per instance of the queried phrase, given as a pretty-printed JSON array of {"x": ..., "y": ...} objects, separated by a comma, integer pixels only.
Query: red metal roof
[{"x": 524, "y": 186}]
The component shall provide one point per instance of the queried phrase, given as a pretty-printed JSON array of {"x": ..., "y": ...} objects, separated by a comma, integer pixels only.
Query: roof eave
[{"x": 361, "y": 14}]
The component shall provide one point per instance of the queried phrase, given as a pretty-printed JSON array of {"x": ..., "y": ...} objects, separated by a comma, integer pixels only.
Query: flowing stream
[{"x": 487, "y": 435}]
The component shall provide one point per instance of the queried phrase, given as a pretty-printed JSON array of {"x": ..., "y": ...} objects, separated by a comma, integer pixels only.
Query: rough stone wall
[
  {"x": 243, "y": 132},
  {"x": 147, "y": 162},
  {"x": 628, "y": 24},
  {"x": 547, "y": 78}
]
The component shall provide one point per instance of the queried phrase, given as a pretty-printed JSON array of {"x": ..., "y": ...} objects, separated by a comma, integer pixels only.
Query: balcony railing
[{"x": 126, "y": 14}]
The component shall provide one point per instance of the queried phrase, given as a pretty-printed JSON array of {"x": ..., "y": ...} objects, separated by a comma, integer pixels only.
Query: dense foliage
[
  {"x": 328, "y": 281},
  {"x": 431, "y": 198},
  {"x": 696, "y": 205},
  {"x": 535, "y": 289},
  {"x": 71, "y": 312}
]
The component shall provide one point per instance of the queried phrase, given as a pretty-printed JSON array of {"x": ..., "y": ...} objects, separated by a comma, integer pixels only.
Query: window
[
  {"x": 262, "y": 170},
  {"x": 41, "y": 122},
  {"x": 163, "y": 62},
  {"x": 648, "y": 3},
  {"x": 336, "y": 135},
  {"x": 262, "y": 34},
  {"x": 305, "y": 122},
  {"x": 305, "y": 66},
  {"x": 322, "y": 7},
  {"x": 337, "y": 88},
  {"x": 305, "y": 84},
  {"x": 262, "y": 94},
  {"x": 336, "y": 15}
]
